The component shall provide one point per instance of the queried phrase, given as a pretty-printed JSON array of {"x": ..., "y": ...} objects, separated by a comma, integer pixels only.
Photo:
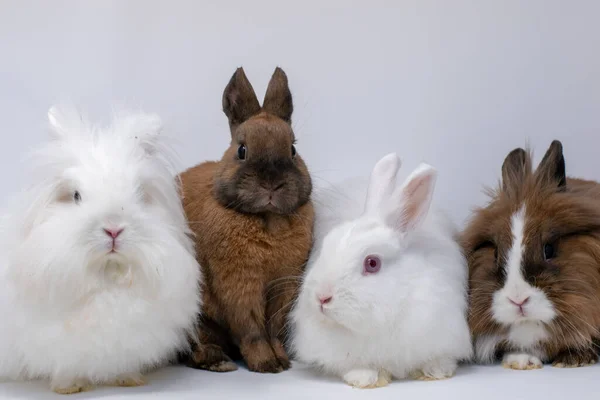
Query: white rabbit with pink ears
[{"x": 385, "y": 293}]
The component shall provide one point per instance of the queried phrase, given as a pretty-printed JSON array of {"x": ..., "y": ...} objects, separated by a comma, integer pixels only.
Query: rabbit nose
[
  {"x": 324, "y": 299},
  {"x": 519, "y": 303},
  {"x": 113, "y": 232}
]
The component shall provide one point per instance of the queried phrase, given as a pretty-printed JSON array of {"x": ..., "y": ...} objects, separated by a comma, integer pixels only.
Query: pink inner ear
[{"x": 417, "y": 196}]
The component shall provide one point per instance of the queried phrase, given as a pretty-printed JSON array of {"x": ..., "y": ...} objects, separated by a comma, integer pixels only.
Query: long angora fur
[{"x": 73, "y": 311}]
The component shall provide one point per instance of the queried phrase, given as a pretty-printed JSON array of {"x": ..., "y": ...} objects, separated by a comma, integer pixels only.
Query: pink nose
[
  {"x": 324, "y": 299},
  {"x": 519, "y": 304},
  {"x": 113, "y": 233}
]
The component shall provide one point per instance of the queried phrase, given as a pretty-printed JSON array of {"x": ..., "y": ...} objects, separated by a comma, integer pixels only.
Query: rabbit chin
[{"x": 344, "y": 316}]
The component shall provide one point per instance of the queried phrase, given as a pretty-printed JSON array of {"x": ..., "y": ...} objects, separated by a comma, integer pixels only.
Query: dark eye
[
  {"x": 293, "y": 151},
  {"x": 372, "y": 265},
  {"x": 242, "y": 152},
  {"x": 76, "y": 197},
  {"x": 549, "y": 251}
]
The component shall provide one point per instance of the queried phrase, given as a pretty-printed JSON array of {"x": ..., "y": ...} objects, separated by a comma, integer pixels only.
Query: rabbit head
[
  {"x": 261, "y": 171},
  {"x": 357, "y": 266},
  {"x": 102, "y": 196}
]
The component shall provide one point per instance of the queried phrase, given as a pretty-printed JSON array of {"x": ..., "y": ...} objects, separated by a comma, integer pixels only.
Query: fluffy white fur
[
  {"x": 72, "y": 311},
  {"x": 409, "y": 319}
]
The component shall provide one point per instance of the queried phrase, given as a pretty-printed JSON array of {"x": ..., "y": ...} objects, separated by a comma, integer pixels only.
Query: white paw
[
  {"x": 63, "y": 386},
  {"x": 367, "y": 378},
  {"x": 129, "y": 380},
  {"x": 521, "y": 361},
  {"x": 443, "y": 368}
]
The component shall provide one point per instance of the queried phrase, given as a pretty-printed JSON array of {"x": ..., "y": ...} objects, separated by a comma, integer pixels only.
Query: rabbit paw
[
  {"x": 260, "y": 357},
  {"x": 521, "y": 361},
  {"x": 367, "y": 378},
  {"x": 436, "y": 370},
  {"x": 281, "y": 354},
  {"x": 129, "y": 380},
  {"x": 572, "y": 358},
  {"x": 211, "y": 357},
  {"x": 70, "y": 387}
]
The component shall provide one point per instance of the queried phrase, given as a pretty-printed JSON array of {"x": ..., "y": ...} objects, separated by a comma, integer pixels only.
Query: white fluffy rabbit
[
  {"x": 385, "y": 291},
  {"x": 98, "y": 280}
]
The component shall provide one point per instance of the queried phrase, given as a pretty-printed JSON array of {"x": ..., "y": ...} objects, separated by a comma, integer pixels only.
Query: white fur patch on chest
[
  {"x": 526, "y": 335},
  {"x": 118, "y": 274}
]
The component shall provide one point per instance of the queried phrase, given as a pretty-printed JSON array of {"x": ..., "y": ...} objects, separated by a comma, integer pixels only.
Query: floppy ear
[
  {"x": 515, "y": 168},
  {"x": 413, "y": 199},
  {"x": 239, "y": 99},
  {"x": 382, "y": 182},
  {"x": 551, "y": 170},
  {"x": 278, "y": 98},
  {"x": 64, "y": 121}
]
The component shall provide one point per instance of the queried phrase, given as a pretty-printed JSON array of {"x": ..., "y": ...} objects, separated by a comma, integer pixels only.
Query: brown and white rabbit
[
  {"x": 534, "y": 266},
  {"x": 252, "y": 217}
]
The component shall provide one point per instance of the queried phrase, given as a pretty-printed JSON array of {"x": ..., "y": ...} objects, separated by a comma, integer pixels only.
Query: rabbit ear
[
  {"x": 413, "y": 199},
  {"x": 382, "y": 182},
  {"x": 239, "y": 99},
  {"x": 64, "y": 121},
  {"x": 551, "y": 170},
  {"x": 278, "y": 98},
  {"x": 515, "y": 168},
  {"x": 144, "y": 128}
]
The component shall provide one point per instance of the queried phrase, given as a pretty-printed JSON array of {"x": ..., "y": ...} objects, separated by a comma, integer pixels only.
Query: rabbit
[
  {"x": 98, "y": 271},
  {"x": 534, "y": 266},
  {"x": 384, "y": 294},
  {"x": 252, "y": 216}
]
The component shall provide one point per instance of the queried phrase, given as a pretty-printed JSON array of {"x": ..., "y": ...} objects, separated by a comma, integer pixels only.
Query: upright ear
[
  {"x": 239, "y": 99},
  {"x": 516, "y": 167},
  {"x": 382, "y": 182},
  {"x": 278, "y": 98},
  {"x": 64, "y": 121},
  {"x": 551, "y": 171},
  {"x": 413, "y": 199},
  {"x": 144, "y": 128}
]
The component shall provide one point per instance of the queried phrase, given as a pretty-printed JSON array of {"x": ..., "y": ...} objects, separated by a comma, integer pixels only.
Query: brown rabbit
[
  {"x": 534, "y": 266},
  {"x": 252, "y": 217}
]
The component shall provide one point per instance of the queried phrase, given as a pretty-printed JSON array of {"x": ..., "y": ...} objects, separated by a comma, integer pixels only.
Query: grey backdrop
[{"x": 456, "y": 83}]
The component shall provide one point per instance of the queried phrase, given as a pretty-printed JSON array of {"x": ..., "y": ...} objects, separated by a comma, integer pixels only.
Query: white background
[{"x": 455, "y": 83}]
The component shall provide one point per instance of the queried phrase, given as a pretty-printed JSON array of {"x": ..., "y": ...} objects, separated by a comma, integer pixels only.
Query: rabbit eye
[
  {"x": 372, "y": 264},
  {"x": 549, "y": 251},
  {"x": 241, "y": 153},
  {"x": 76, "y": 197},
  {"x": 293, "y": 151}
]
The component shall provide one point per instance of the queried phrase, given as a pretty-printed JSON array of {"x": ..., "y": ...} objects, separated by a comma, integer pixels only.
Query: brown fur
[
  {"x": 252, "y": 250},
  {"x": 562, "y": 212}
]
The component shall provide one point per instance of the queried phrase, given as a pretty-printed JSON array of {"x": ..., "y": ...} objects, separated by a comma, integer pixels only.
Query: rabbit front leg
[
  {"x": 521, "y": 361},
  {"x": 128, "y": 380},
  {"x": 63, "y": 384},
  {"x": 245, "y": 317},
  {"x": 576, "y": 357},
  {"x": 280, "y": 299},
  {"x": 211, "y": 347},
  {"x": 441, "y": 368},
  {"x": 367, "y": 378}
]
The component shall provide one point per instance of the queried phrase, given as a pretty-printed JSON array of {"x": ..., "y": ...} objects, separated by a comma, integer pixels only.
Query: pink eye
[{"x": 372, "y": 264}]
